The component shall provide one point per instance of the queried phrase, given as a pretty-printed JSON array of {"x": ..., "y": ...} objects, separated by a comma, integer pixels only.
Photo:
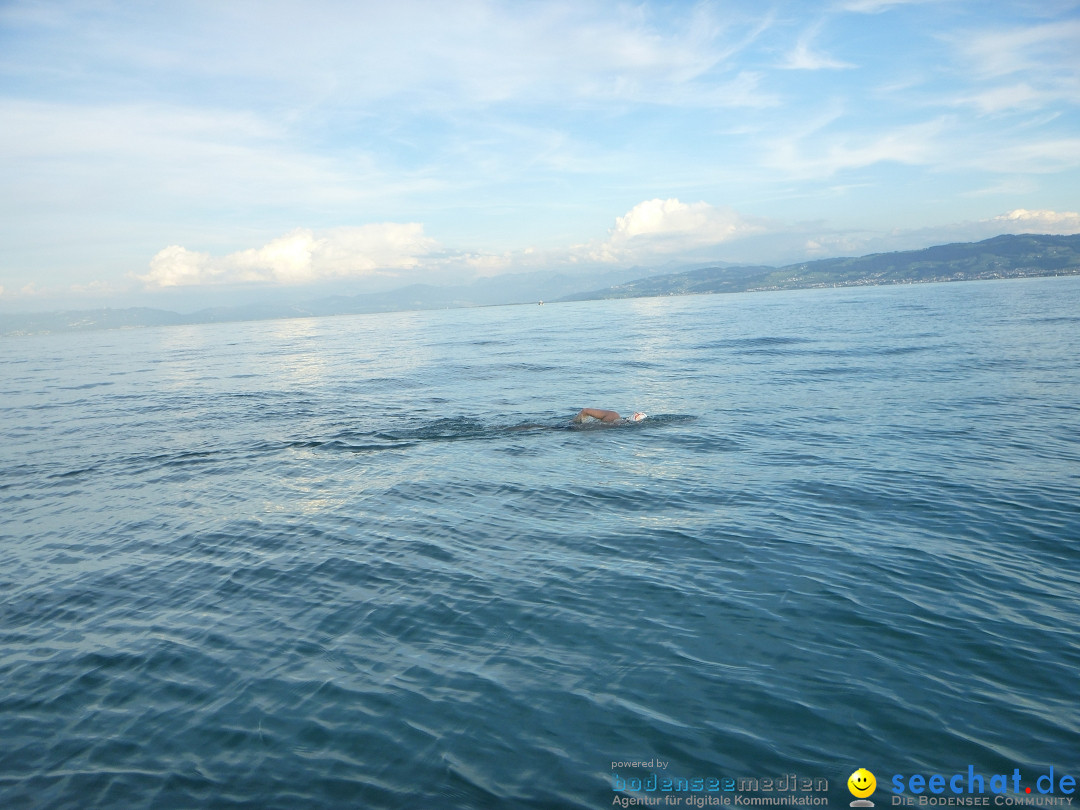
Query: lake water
[{"x": 365, "y": 562}]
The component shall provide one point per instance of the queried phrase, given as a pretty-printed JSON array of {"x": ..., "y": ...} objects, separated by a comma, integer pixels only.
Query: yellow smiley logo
[{"x": 861, "y": 783}]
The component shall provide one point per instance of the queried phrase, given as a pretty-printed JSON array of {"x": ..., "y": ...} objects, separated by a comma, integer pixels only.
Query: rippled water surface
[{"x": 365, "y": 561}]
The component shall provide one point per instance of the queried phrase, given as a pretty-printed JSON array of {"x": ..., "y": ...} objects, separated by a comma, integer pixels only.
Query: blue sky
[{"x": 157, "y": 152}]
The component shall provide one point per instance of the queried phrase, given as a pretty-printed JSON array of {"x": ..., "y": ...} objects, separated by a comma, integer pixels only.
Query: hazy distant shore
[{"x": 1002, "y": 257}]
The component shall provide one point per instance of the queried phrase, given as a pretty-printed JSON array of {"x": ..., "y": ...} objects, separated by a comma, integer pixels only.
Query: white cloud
[
  {"x": 803, "y": 57},
  {"x": 669, "y": 227},
  {"x": 179, "y": 267},
  {"x": 916, "y": 144},
  {"x": 1044, "y": 222},
  {"x": 877, "y": 6},
  {"x": 1033, "y": 49},
  {"x": 106, "y": 155},
  {"x": 428, "y": 54},
  {"x": 287, "y": 259},
  {"x": 1015, "y": 96},
  {"x": 298, "y": 257},
  {"x": 1028, "y": 157},
  {"x": 1023, "y": 67}
]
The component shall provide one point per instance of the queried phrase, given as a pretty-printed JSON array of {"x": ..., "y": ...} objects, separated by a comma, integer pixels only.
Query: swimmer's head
[{"x": 638, "y": 416}]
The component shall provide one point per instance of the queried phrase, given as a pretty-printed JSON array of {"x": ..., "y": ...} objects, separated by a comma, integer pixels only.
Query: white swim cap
[{"x": 637, "y": 417}]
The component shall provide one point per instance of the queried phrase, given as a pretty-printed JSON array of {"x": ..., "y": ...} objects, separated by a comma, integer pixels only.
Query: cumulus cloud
[
  {"x": 1048, "y": 222},
  {"x": 298, "y": 257},
  {"x": 665, "y": 227},
  {"x": 656, "y": 230}
]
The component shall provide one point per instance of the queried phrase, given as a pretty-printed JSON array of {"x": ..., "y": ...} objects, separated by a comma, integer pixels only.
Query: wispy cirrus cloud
[
  {"x": 1016, "y": 96},
  {"x": 829, "y": 152},
  {"x": 805, "y": 57},
  {"x": 1022, "y": 154},
  {"x": 877, "y": 6},
  {"x": 1020, "y": 67},
  {"x": 413, "y": 52},
  {"x": 1021, "y": 49},
  {"x": 117, "y": 152}
]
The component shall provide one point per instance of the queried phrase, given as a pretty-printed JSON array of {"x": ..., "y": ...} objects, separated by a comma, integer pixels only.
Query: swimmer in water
[{"x": 609, "y": 417}]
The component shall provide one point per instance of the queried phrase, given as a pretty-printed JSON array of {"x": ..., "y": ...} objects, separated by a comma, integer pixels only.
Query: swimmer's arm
[{"x": 596, "y": 413}]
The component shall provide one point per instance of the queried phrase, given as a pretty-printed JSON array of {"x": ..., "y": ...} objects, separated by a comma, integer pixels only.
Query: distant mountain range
[
  {"x": 1000, "y": 257},
  {"x": 506, "y": 289}
]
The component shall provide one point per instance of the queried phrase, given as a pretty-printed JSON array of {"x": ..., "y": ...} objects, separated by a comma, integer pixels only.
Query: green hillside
[{"x": 1000, "y": 257}]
